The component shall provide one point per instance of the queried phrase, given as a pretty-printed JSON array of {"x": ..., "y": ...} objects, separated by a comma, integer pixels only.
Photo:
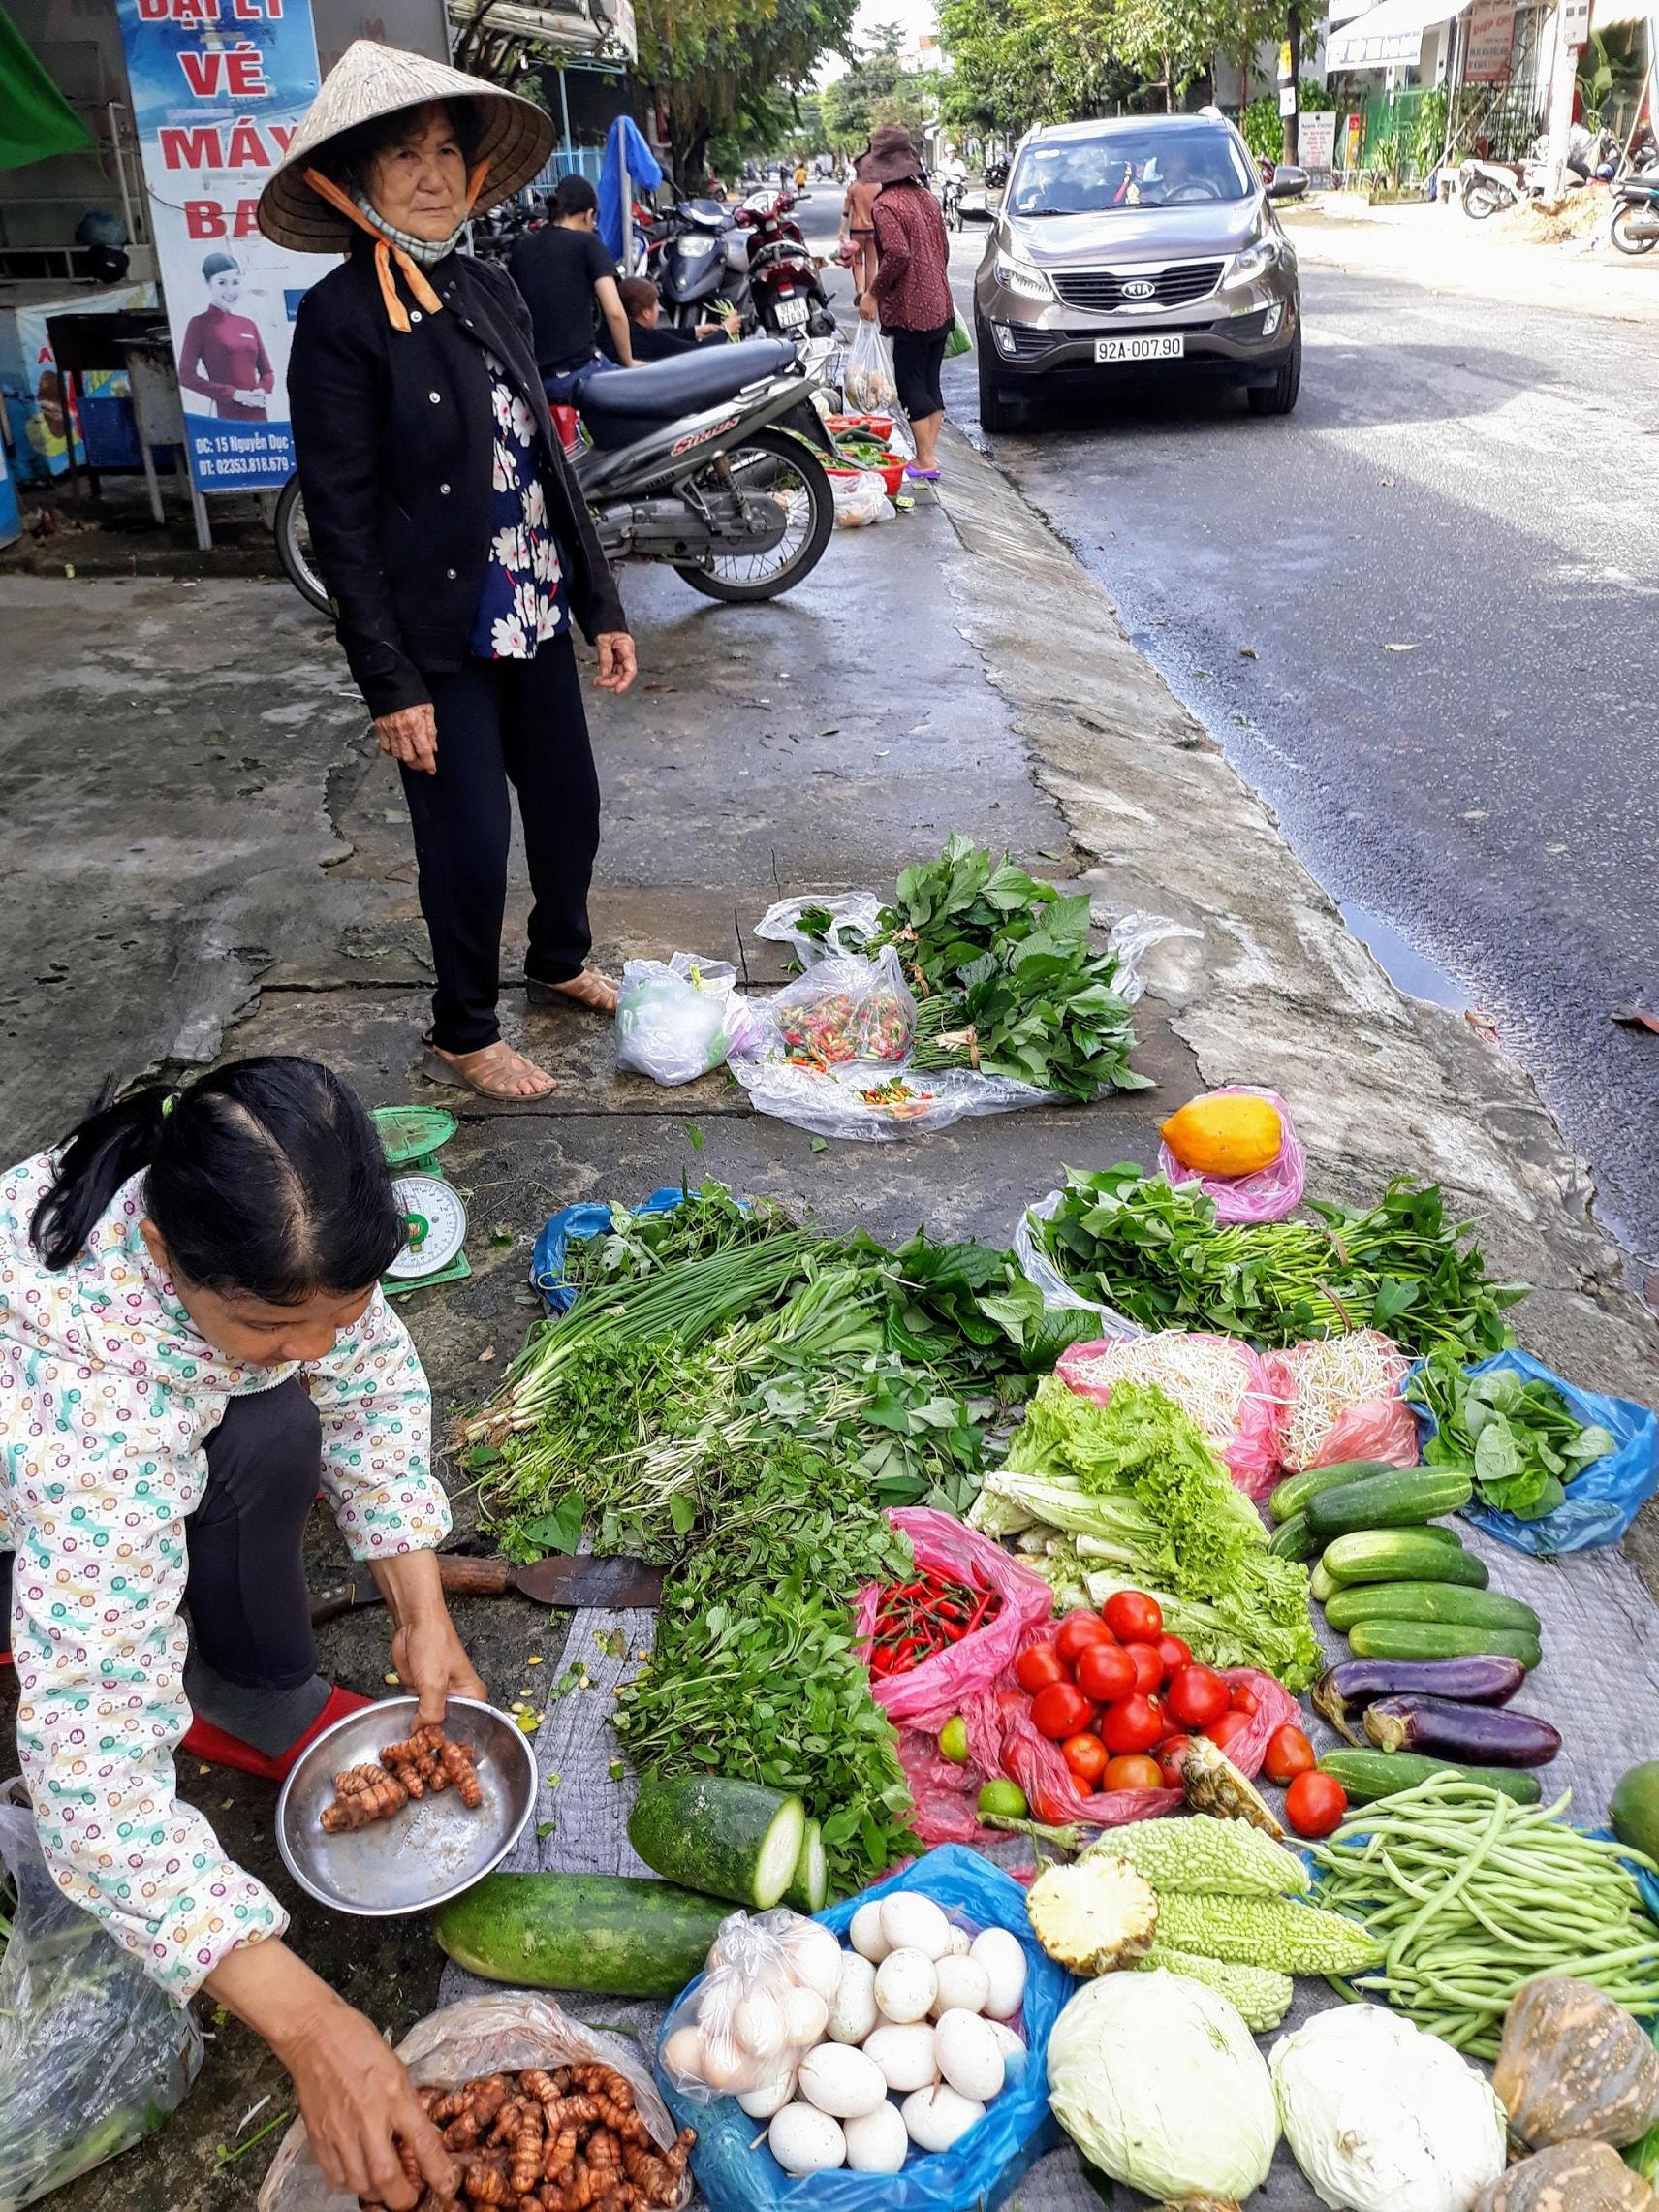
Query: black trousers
[
  {"x": 500, "y": 723},
  {"x": 917, "y": 357},
  {"x": 253, "y": 1661}
]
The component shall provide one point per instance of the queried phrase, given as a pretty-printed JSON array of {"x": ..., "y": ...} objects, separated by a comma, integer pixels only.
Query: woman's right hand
[
  {"x": 355, "y": 2098},
  {"x": 410, "y": 736}
]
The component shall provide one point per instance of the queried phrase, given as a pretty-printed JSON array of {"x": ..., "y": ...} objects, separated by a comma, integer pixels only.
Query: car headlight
[
  {"x": 1022, "y": 277},
  {"x": 1255, "y": 260}
]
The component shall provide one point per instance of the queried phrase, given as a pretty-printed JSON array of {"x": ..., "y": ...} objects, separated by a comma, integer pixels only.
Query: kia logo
[{"x": 1140, "y": 288}]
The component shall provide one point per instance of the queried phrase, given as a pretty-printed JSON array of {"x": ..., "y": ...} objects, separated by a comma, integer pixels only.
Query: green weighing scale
[{"x": 433, "y": 1211}]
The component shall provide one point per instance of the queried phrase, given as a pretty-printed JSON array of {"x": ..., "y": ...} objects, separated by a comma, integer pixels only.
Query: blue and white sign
[{"x": 218, "y": 89}]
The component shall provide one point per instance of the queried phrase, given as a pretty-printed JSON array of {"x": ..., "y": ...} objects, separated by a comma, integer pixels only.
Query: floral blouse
[
  {"x": 522, "y": 603},
  {"x": 107, "y": 1397}
]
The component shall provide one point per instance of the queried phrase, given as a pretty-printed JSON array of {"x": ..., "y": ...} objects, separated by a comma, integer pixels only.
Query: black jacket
[{"x": 393, "y": 435}]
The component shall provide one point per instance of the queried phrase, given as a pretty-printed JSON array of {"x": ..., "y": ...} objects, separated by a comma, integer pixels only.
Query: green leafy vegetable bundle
[
  {"x": 1516, "y": 1437},
  {"x": 1156, "y": 1252}
]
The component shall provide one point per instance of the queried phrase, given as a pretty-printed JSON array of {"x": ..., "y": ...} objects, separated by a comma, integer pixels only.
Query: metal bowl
[{"x": 434, "y": 1847}]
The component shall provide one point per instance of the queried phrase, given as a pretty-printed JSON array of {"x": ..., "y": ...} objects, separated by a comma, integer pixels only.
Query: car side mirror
[{"x": 1288, "y": 183}]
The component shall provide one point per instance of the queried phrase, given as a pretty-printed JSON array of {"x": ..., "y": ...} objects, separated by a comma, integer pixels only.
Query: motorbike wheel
[
  {"x": 294, "y": 547},
  {"x": 1479, "y": 202},
  {"x": 769, "y": 459},
  {"x": 1622, "y": 234}
]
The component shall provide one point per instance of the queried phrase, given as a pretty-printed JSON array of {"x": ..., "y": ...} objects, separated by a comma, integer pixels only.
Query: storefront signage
[
  {"x": 218, "y": 89},
  {"x": 1317, "y": 139},
  {"x": 1491, "y": 34}
]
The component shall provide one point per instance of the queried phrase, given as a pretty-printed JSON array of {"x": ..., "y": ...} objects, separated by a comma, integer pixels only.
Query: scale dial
[{"x": 437, "y": 1224}]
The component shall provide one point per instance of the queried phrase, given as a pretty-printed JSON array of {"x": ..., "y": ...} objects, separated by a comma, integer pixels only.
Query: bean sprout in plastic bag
[
  {"x": 1339, "y": 1398},
  {"x": 1268, "y": 1194}
]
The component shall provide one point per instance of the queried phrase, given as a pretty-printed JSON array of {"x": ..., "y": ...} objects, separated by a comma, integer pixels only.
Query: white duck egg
[
  {"x": 968, "y": 2055},
  {"x": 841, "y": 2081},
  {"x": 805, "y": 2016},
  {"x": 815, "y": 1955},
  {"x": 906, "y": 1986},
  {"x": 960, "y": 1942},
  {"x": 935, "y": 2118},
  {"x": 853, "y": 2009},
  {"x": 805, "y": 2141},
  {"x": 770, "y": 2098},
  {"x": 905, "y": 2056},
  {"x": 878, "y": 2143},
  {"x": 864, "y": 1933},
  {"x": 913, "y": 1922},
  {"x": 724, "y": 2064},
  {"x": 757, "y": 2025},
  {"x": 963, "y": 1985},
  {"x": 1004, "y": 1960},
  {"x": 682, "y": 2055}
]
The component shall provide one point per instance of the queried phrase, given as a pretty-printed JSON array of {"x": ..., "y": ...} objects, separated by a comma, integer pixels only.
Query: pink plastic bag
[
  {"x": 1379, "y": 1427},
  {"x": 1250, "y": 1451},
  {"x": 929, "y": 1695},
  {"x": 1271, "y": 1191}
]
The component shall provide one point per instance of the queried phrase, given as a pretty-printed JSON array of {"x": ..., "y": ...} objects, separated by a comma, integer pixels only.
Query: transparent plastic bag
[
  {"x": 1039, "y": 1269},
  {"x": 502, "y": 2032},
  {"x": 853, "y": 919},
  {"x": 869, "y": 1101},
  {"x": 841, "y": 1010},
  {"x": 1131, "y": 936},
  {"x": 871, "y": 387},
  {"x": 678, "y": 1019},
  {"x": 93, "y": 2055},
  {"x": 1267, "y": 1195},
  {"x": 1250, "y": 1445},
  {"x": 860, "y": 499},
  {"x": 756, "y": 2011}
]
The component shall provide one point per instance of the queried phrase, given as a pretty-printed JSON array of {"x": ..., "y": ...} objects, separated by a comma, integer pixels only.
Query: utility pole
[
  {"x": 1572, "y": 29},
  {"x": 1290, "y": 85}
]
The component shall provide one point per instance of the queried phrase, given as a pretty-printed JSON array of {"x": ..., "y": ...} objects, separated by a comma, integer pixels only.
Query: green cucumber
[
  {"x": 1403, "y": 1555},
  {"x": 725, "y": 1838},
  {"x": 1291, "y": 1495},
  {"x": 612, "y": 1935},
  {"x": 1292, "y": 1538},
  {"x": 809, "y": 1891},
  {"x": 1319, "y": 1587},
  {"x": 1369, "y": 1775},
  {"x": 1438, "y": 1640},
  {"x": 1399, "y": 1500},
  {"x": 1429, "y": 1601}
]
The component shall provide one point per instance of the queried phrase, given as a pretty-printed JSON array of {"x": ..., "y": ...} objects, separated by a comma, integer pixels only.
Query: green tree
[
  {"x": 727, "y": 69},
  {"x": 877, "y": 88}
]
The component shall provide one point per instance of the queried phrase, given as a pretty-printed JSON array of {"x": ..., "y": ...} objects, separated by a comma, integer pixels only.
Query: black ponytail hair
[{"x": 264, "y": 1179}]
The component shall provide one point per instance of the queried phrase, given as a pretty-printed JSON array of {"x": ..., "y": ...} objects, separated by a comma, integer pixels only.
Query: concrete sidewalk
[{"x": 203, "y": 852}]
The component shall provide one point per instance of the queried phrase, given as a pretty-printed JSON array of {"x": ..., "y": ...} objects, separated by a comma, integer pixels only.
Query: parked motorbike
[
  {"x": 1636, "y": 212},
  {"x": 704, "y": 259},
  {"x": 785, "y": 290},
  {"x": 995, "y": 175},
  {"x": 1487, "y": 187}
]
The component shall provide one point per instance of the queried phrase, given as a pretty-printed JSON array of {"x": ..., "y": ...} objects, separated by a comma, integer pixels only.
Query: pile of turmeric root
[
  {"x": 428, "y": 1762},
  {"x": 566, "y": 2141}
]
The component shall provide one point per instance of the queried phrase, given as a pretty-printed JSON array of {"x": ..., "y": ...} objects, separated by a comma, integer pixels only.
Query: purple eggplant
[
  {"x": 1470, "y": 1734},
  {"x": 1342, "y": 1693}
]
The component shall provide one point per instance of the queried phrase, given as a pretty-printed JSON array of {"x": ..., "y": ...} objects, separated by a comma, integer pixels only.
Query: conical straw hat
[{"x": 370, "y": 79}]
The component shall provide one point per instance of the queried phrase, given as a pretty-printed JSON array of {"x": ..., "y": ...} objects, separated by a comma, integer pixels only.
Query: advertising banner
[
  {"x": 1491, "y": 34},
  {"x": 1317, "y": 140},
  {"x": 218, "y": 88}
]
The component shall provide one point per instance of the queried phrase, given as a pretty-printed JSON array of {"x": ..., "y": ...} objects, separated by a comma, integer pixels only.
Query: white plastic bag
[
  {"x": 678, "y": 1019},
  {"x": 842, "y": 1009},
  {"x": 747, "y": 2023},
  {"x": 93, "y": 2054},
  {"x": 483, "y": 2034},
  {"x": 859, "y": 500},
  {"x": 849, "y": 923},
  {"x": 1057, "y": 1294},
  {"x": 871, "y": 388}
]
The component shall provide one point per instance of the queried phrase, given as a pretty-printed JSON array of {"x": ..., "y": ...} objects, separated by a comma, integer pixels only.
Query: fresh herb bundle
[
  {"x": 1516, "y": 1437},
  {"x": 1156, "y": 1252},
  {"x": 708, "y": 1220}
]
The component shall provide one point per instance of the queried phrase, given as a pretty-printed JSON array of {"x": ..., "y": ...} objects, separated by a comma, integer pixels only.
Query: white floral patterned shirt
[
  {"x": 522, "y": 603},
  {"x": 107, "y": 1397}
]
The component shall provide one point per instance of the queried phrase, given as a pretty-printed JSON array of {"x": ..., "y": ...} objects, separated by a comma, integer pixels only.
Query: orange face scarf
[{"x": 386, "y": 253}]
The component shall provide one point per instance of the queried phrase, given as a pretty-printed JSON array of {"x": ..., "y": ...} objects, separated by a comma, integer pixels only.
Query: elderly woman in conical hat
[{"x": 456, "y": 547}]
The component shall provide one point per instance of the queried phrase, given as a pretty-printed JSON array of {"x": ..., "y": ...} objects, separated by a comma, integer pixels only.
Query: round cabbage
[{"x": 1158, "y": 2082}]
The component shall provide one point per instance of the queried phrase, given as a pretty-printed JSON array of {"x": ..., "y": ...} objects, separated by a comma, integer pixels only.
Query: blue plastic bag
[
  {"x": 592, "y": 1220},
  {"x": 1602, "y": 1502},
  {"x": 981, "y": 2170}
]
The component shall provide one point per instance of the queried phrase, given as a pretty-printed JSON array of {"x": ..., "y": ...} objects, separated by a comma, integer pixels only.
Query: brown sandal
[
  {"x": 439, "y": 1067},
  {"x": 590, "y": 989}
]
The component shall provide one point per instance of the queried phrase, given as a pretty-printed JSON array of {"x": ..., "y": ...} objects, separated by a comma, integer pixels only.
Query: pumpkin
[
  {"x": 1570, "y": 2178},
  {"x": 1574, "y": 2066},
  {"x": 1221, "y": 1134}
]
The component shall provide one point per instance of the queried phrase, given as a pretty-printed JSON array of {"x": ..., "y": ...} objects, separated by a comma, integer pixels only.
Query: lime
[
  {"x": 953, "y": 1741},
  {"x": 1634, "y": 1809},
  {"x": 1006, "y": 1799}
]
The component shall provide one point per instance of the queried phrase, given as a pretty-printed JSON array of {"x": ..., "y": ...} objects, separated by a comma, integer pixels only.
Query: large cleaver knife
[{"x": 569, "y": 1580}]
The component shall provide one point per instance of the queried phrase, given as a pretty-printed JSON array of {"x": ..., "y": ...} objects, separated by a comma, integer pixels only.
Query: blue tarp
[{"x": 624, "y": 148}]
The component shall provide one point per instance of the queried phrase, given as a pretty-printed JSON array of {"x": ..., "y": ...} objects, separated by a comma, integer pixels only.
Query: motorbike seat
[{"x": 663, "y": 389}]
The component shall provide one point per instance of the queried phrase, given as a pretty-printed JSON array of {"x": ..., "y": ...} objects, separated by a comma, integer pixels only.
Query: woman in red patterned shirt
[{"x": 911, "y": 292}]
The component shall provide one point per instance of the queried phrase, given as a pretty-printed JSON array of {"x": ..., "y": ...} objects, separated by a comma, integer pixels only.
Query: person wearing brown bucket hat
[
  {"x": 456, "y": 545},
  {"x": 911, "y": 289}
]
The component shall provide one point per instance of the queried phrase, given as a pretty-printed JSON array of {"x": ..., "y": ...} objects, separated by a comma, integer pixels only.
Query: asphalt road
[{"x": 1420, "y": 616}]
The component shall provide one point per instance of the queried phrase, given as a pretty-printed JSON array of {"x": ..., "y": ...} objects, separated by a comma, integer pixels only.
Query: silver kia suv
[{"x": 1138, "y": 244}]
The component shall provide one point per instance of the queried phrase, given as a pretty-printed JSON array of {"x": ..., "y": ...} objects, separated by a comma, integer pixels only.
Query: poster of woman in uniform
[{"x": 222, "y": 357}]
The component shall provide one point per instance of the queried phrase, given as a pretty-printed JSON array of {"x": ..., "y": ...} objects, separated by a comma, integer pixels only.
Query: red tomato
[
  {"x": 1133, "y": 1770},
  {"x": 1289, "y": 1753},
  {"x": 1085, "y": 1756},
  {"x": 1225, "y": 1732},
  {"x": 1196, "y": 1696},
  {"x": 1246, "y": 1701},
  {"x": 1076, "y": 1631},
  {"x": 1059, "y": 1711},
  {"x": 1036, "y": 1668},
  {"x": 1170, "y": 1752},
  {"x": 1107, "y": 1672},
  {"x": 1174, "y": 1651},
  {"x": 1148, "y": 1666},
  {"x": 1315, "y": 1803},
  {"x": 1132, "y": 1618},
  {"x": 1131, "y": 1724}
]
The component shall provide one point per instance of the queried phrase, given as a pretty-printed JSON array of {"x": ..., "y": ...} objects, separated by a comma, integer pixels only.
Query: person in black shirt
[
  {"x": 653, "y": 339},
  {"x": 569, "y": 282}
]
